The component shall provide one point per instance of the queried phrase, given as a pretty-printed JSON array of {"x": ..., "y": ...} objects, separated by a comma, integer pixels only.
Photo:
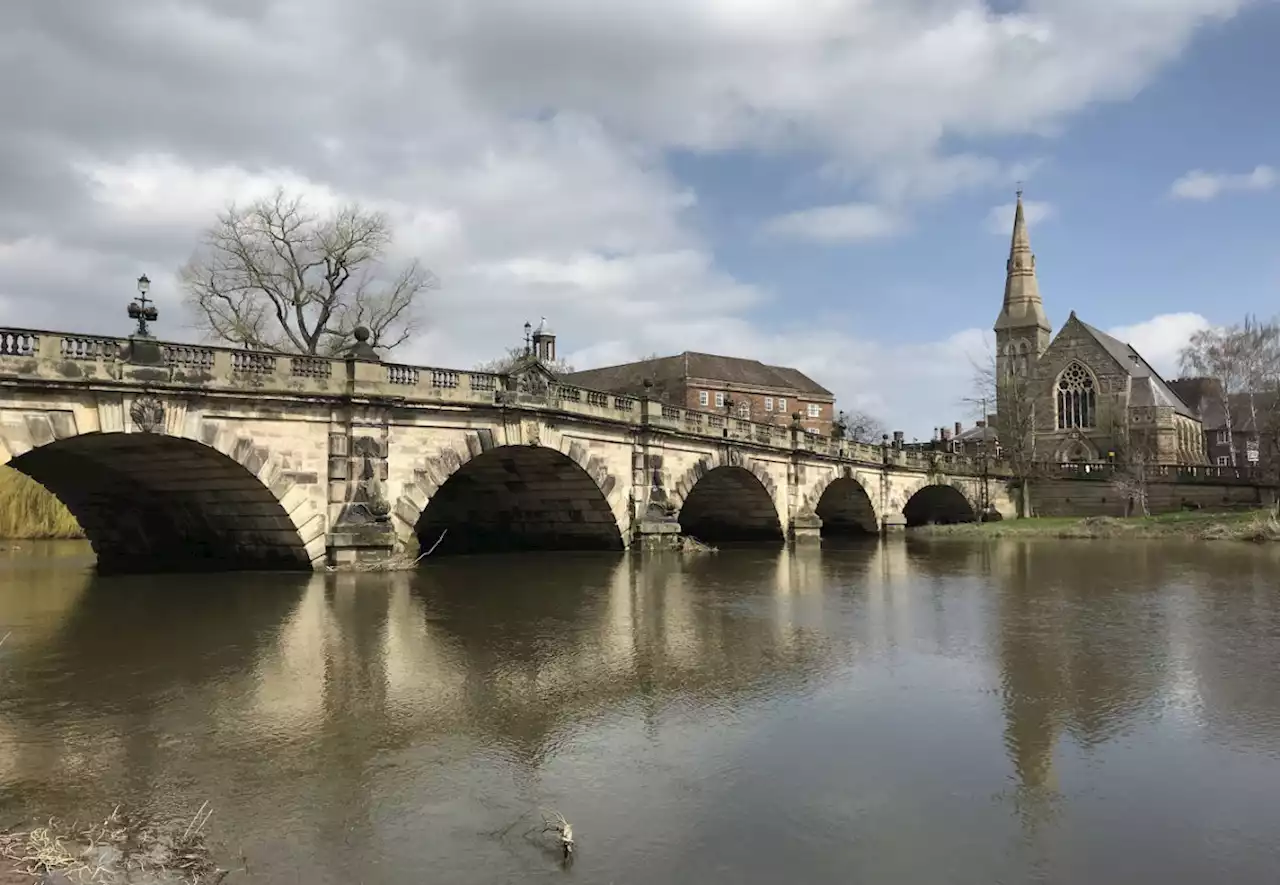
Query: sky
[{"x": 826, "y": 185}]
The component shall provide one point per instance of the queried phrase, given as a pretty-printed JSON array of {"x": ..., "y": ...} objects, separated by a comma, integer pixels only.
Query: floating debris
[{"x": 554, "y": 822}]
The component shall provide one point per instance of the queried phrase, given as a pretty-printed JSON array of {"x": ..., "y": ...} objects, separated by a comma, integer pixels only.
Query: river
[{"x": 913, "y": 711}]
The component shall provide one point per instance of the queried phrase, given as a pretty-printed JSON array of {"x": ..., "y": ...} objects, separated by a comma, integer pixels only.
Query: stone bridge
[{"x": 180, "y": 457}]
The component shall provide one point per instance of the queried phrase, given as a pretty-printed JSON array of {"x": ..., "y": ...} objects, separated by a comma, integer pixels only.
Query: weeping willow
[{"x": 29, "y": 510}]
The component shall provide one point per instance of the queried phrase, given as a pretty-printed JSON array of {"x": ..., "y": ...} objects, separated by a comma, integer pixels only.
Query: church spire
[{"x": 1022, "y": 308}]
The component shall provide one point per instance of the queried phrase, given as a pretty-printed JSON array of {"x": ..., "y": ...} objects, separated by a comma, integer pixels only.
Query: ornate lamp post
[
  {"x": 528, "y": 345},
  {"x": 143, "y": 310}
]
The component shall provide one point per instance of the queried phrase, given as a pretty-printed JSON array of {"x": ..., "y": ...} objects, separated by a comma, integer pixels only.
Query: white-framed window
[
  {"x": 1223, "y": 460},
  {"x": 703, "y": 398},
  {"x": 1224, "y": 437},
  {"x": 782, "y": 404},
  {"x": 768, "y": 404},
  {"x": 719, "y": 399},
  {"x": 815, "y": 410},
  {"x": 744, "y": 409}
]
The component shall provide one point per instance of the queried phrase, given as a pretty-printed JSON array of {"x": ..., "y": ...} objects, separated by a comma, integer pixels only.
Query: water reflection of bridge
[{"x": 335, "y": 678}]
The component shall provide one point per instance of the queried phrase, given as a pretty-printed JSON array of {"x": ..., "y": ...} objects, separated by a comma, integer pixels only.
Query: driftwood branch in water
[{"x": 433, "y": 547}]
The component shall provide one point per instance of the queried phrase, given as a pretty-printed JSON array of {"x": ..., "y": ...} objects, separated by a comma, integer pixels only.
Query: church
[{"x": 1080, "y": 395}]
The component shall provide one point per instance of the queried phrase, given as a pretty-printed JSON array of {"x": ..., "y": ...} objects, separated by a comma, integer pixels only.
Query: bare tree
[
  {"x": 1244, "y": 359},
  {"x": 515, "y": 357},
  {"x": 1013, "y": 398},
  {"x": 275, "y": 276},
  {"x": 858, "y": 426},
  {"x": 1135, "y": 453}
]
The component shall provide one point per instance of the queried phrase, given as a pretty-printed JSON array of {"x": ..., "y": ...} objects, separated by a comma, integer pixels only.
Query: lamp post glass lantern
[{"x": 143, "y": 309}]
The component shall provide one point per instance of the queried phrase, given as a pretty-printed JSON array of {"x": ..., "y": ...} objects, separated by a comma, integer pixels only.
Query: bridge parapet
[{"x": 60, "y": 357}]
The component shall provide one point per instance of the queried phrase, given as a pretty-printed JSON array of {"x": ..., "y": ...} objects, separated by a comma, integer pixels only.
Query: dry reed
[
  {"x": 29, "y": 511},
  {"x": 122, "y": 848}
]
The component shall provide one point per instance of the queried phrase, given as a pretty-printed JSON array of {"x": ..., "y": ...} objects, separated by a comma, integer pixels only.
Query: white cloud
[
  {"x": 521, "y": 148},
  {"x": 1200, "y": 185},
  {"x": 846, "y": 223},
  {"x": 1000, "y": 218},
  {"x": 1162, "y": 338}
]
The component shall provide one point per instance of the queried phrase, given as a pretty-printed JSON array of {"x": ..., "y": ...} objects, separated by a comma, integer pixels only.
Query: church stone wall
[{"x": 1075, "y": 344}]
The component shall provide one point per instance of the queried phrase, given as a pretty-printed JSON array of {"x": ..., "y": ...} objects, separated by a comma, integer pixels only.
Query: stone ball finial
[
  {"x": 795, "y": 416},
  {"x": 361, "y": 333},
  {"x": 648, "y": 383}
]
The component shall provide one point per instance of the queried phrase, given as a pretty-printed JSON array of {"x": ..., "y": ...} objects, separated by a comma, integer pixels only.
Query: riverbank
[
  {"x": 1249, "y": 525},
  {"x": 28, "y": 511}
]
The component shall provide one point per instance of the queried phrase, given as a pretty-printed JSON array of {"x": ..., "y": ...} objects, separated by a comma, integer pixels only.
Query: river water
[{"x": 933, "y": 712}]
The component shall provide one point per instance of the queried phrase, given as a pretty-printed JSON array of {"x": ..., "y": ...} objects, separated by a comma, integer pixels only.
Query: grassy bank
[
  {"x": 1250, "y": 525},
  {"x": 28, "y": 510}
]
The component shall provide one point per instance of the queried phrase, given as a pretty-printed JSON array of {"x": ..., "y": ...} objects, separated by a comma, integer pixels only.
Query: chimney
[
  {"x": 946, "y": 434},
  {"x": 958, "y": 428},
  {"x": 897, "y": 439}
]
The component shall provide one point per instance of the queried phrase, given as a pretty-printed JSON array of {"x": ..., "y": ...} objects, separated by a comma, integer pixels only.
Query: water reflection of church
[{"x": 1086, "y": 388}]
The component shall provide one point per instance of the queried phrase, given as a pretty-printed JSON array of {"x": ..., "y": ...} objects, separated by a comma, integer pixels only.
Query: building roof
[
  {"x": 707, "y": 366},
  {"x": 985, "y": 433},
  {"x": 1148, "y": 388}
]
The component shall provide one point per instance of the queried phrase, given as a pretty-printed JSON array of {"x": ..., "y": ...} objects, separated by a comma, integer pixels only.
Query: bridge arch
[
  {"x": 547, "y": 493},
  {"x": 150, "y": 499},
  {"x": 844, "y": 503},
  {"x": 938, "y": 504},
  {"x": 727, "y": 497}
]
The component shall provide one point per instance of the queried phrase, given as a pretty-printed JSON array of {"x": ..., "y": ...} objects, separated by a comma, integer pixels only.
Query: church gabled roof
[{"x": 1147, "y": 387}]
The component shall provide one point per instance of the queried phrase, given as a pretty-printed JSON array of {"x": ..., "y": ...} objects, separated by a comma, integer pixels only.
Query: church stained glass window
[{"x": 1077, "y": 398}]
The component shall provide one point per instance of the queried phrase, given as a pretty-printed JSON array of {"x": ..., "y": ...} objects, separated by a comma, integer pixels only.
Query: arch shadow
[
  {"x": 846, "y": 510},
  {"x": 728, "y": 504},
  {"x": 519, "y": 498},
  {"x": 149, "y": 502},
  {"x": 938, "y": 505}
]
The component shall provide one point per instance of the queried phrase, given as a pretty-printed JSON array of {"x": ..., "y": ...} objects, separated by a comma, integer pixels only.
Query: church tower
[{"x": 1022, "y": 330}]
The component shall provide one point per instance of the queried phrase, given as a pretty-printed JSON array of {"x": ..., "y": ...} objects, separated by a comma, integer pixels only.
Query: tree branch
[{"x": 273, "y": 276}]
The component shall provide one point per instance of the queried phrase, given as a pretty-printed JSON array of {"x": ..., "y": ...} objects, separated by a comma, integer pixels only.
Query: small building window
[
  {"x": 1223, "y": 460},
  {"x": 719, "y": 399},
  {"x": 768, "y": 404},
  {"x": 782, "y": 404},
  {"x": 744, "y": 409},
  {"x": 1077, "y": 398},
  {"x": 1224, "y": 437},
  {"x": 815, "y": 410},
  {"x": 703, "y": 398}
]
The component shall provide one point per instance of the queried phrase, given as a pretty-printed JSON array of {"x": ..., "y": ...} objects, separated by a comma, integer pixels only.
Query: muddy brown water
[{"x": 915, "y": 711}]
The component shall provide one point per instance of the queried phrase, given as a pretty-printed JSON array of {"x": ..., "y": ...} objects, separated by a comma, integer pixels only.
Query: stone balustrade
[{"x": 58, "y": 357}]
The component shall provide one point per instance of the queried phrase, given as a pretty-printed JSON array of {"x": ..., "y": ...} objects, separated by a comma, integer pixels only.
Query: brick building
[
  {"x": 723, "y": 385},
  {"x": 1251, "y": 434}
]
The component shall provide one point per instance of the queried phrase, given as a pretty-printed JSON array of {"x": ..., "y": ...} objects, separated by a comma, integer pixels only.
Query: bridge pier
[
  {"x": 806, "y": 527},
  {"x": 352, "y": 546},
  {"x": 893, "y": 523}
]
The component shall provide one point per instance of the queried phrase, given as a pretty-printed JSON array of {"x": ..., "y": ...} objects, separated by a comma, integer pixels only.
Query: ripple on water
[{"x": 880, "y": 713}]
